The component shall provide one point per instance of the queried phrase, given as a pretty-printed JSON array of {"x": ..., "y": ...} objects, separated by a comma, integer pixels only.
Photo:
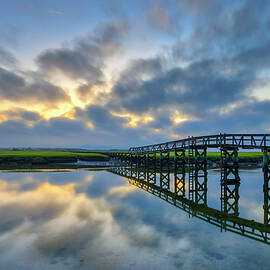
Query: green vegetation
[
  {"x": 50, "y": 154},
  {"x": 28, "y": 158},
  {"x": 60, "y": 154},
  {"x": 241, "y": 155},
  {"x": 216, "y": 155}
]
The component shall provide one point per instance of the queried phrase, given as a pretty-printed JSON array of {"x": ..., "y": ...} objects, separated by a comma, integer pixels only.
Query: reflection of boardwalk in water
[
  {"x": 191, "y": 154},
  {"x": 151, "y": 179}
]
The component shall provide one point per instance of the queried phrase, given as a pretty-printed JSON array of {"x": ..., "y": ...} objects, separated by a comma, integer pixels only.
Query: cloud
[
  {"x": 17, "y": 114},
  {"x": 207, "y": 67},
  {"x": 15, "y": 206},
  {"x": 214, "y": 69},
  {"x": 63, "y": 225},
  {"x": 102, "y": 118},
  {"x": 14, "y": 87},
  {"x": 131, "y": 223},
  {"x": 256, "y": 58},
  {"x": 91, "y": 91},
  {"x": 218, "y": 30},
  {"x": 6, "y": 58},
  {"x": 249, "y": 117},
  {"x": 107, "y": 130},
  {"x": 86, "y": 57},
  {"x": 201, "y": 87},
  {"x": 72, "y": 63},
  {"x": 122, "y": 191}
]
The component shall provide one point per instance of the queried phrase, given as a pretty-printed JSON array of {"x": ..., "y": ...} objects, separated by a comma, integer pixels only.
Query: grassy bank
[
  {"x": 50, "y": 154},
  {"x": 59, "y": 154},
  {"x": 29, "y": 159},
  {"x": 216, "y": 155},
  {"x": 241, "y": 155}
]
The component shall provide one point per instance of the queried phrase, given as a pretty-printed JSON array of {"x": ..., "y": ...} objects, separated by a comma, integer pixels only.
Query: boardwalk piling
[
  {"x": 230, "y": 180},
  {"x": 179, "y": 172},
  {"x": 164, "y": 170}
]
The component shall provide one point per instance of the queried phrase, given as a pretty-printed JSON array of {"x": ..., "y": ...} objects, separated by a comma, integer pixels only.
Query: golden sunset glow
[
  {"x": 122, "y": 191},
  {"x": 177, "y": 118},
  {"x": 175, "y": 135},
  {"x": 134, "y": 120},
  {"x": 90, "y": 125}
]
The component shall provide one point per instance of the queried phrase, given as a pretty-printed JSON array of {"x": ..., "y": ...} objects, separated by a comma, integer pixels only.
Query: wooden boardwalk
[{"x": 187, "y": 159}]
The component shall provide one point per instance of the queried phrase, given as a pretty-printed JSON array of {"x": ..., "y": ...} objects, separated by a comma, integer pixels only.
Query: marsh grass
[
  {"x": 216, "y": 155},
  {"x": 10, "y": 154}
]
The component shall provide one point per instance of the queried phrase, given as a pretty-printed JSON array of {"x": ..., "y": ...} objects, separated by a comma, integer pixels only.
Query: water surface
[{"x": 96, "y": 220}]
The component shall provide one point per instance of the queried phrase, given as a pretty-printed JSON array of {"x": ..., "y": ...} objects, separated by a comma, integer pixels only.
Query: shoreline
[
  {"x": 62, "y": 159},
  {"x": 104, "y": 165},
  {"x": 30, "y": 159}
]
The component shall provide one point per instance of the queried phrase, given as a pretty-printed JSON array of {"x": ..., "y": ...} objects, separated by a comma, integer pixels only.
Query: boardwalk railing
[{"x": 244, "y": 141}]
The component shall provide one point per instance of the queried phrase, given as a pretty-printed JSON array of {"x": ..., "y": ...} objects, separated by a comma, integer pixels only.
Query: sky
[{"x": 127, "y": 73}]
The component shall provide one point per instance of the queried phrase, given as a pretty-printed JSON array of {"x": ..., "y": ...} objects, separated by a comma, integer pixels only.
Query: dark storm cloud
[
  {"x": 45, "y": 91},
  {"x": 200, "y": 87},
  {"x": 10, "y": 83},
  {"x": 22, "y": 115},
  {"x": 163, "y": 118},
  {"x": 256, "y": 58},
  {"x": 224, "y": 30},
  {"x": 142, "y": 67},
  {"x": 101, "y": 117},
  {"x": 131, "y": 85},
  {"x": 71, "y": 62},
  {"x": 252, "y": 116},
  {"x": 85, "y": 59},
  {"x": 15, "y": 88}
]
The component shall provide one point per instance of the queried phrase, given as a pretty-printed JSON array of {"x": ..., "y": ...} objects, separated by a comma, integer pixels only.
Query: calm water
[{"x": 96, "y": 220}]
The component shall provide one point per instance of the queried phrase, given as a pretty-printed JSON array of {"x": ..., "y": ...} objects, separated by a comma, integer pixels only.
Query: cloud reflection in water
[{"x": 52, "y": 221}]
